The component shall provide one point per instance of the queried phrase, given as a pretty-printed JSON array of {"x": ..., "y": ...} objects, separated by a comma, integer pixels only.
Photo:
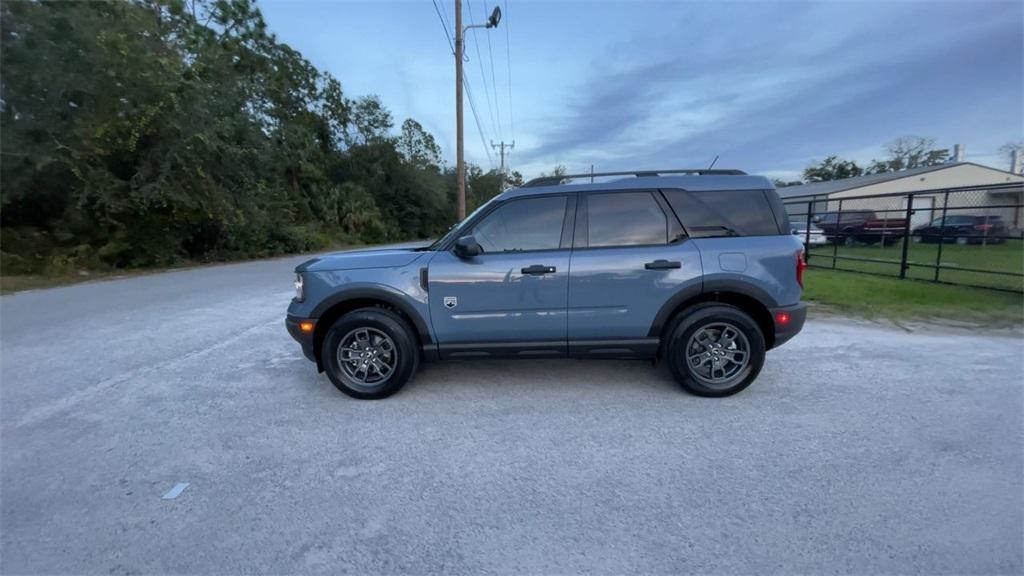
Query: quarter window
[
  {"x": 527, "y": 224},
  {"x": 625, "y": 219},
  {"x": 727, "y": 213}
]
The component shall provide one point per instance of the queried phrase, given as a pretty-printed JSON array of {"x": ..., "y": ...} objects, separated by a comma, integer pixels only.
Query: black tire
[
  {"x": 710, "y": 315},
  {"x": 377, "y": 323}
]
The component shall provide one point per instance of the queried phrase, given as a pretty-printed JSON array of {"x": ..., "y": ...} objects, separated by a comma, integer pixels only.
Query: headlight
[{"x": 299, "y": 292}]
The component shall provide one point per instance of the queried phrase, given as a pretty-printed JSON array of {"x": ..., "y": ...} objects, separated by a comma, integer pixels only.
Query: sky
[{"x": 768, "y": 87}]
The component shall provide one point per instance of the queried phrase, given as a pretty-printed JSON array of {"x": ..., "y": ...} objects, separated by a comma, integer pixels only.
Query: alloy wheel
[
  {"x": 717, "y": 353},
  {"x": 367, "y": 356}
]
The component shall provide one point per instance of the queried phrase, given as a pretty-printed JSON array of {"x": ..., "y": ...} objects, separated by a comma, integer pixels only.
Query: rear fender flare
[{"x": 710, "y": 286}]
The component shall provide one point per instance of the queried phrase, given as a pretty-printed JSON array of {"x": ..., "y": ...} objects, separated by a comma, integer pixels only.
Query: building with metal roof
[{"x": 884, "y": 193}]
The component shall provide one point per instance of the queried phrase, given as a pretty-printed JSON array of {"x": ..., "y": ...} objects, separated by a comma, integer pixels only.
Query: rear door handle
[
  {"x": 663, "y": 265},
  {"x": 537, "y": 270}
]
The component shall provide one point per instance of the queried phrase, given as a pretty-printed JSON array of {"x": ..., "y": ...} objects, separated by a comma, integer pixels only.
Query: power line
[
  {"x": 508, "y": 68},
  {"x": 494, "y": 82},
  {"x": 447, "y": 35},
  {"x": 479, "y": 128},
  {"x": 495, "y": 124},
  {"x": 469, "y": 92}
]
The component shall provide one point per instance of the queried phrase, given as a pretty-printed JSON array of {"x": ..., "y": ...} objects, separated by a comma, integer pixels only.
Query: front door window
[{"x": 523, "y": 225}]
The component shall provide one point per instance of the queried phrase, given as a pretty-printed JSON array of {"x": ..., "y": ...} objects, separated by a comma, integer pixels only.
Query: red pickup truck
[{"x": 852, "y": 226}]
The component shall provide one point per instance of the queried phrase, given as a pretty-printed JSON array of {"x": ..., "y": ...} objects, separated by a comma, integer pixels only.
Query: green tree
[
  {"x": 483, "y": 185},
  {"x": 559, "y": 170},
  {"x": 418, "y": 146},
  {"x": 908, "y": 152},
  {"x": 784, "y": 184},
  {"x": 371, "y": 121},
  {"x": 137, "y": 133},
  {"x": 832, "y": 168},
  {"x": 513, "y": 179}
]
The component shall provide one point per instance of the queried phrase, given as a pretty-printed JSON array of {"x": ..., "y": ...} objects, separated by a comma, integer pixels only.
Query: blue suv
[{"x": 695, "y": 267}]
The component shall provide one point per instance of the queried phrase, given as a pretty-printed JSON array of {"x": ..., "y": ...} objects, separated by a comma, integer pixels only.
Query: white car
[{"x": 816, "y": 237}]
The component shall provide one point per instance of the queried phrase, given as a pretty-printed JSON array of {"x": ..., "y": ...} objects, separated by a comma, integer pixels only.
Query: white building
[{"x": 826, "y": 196}]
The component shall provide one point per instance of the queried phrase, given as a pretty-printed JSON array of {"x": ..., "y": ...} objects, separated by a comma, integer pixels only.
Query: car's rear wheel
[
  {"x": 370, "y": 353},
  {"x": 715, "y": 350}
]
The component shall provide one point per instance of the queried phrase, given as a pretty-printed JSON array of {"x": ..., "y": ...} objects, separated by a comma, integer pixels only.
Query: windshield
[{"x": 455, "y": 227}]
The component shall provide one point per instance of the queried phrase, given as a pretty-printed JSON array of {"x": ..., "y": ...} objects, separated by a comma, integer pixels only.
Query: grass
[
  {"x": 9, "y": 284},
  {"x": 873, "y": 297},
  {"x": 1006, "y": 257}
]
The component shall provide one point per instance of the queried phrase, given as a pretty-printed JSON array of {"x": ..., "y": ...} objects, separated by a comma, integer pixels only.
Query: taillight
[
  {"x": 801, "y": 265},
  {"x": 983, "y": 227}
]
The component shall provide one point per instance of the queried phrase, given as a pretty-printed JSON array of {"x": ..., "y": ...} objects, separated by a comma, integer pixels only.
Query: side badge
[{"x": 450, "y": 302}]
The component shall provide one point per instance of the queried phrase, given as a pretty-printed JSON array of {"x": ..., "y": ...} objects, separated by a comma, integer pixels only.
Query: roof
[
  {"x": 686, "y": 182},
  {"x": 833, "y": 186}
]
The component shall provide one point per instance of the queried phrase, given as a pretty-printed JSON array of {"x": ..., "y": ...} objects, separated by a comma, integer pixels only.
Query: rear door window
[
  {"x": 625, "y": 219},
  {"x": 724, "y": 212}
]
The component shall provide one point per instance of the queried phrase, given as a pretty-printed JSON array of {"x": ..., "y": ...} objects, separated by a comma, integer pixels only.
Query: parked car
[
  {"x": 816, "y": 236},
  {"x": 962, "y": 229},
  {"x": 697, "y": 269},
  {"x": 851, "y": 226}
]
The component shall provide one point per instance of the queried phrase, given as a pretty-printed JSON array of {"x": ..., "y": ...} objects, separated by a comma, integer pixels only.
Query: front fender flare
[{"x": 383, "y": 293}]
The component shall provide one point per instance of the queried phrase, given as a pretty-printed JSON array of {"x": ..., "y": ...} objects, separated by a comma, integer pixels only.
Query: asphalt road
[{"x": 861, "y": 449}]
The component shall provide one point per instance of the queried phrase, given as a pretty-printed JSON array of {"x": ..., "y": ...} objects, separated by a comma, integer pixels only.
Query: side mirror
[
  {"x": 795, "y": 232},
  {"x": 467, "y": 247}
]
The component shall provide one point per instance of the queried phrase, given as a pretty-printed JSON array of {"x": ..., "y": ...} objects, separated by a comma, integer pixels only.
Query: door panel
[
  {"x": 515, "y": 293},
  {"x": 615, "y": 291},
  {"x": 614, "y": 294},
  {"x": 495, "y": 301}
]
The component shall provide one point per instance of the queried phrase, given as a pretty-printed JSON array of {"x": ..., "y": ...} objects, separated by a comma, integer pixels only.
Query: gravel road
[{"x": 860, "y": 449}]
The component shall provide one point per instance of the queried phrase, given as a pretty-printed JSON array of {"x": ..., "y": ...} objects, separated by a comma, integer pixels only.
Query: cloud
[{"x": 829, "y": 79}]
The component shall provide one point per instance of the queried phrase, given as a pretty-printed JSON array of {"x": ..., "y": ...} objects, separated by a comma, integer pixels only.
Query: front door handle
[
  {"x": 537, "y": 270},
  {"x": 663, "y": 265}
]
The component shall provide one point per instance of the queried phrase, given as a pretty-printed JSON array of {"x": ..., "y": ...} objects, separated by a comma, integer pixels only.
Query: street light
[{"x": 460, "y": 165}]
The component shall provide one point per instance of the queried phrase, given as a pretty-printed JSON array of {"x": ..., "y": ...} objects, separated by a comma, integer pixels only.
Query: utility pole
[
  {"x": 460, "y": 164},
  {"x": 501, "y": 146}
]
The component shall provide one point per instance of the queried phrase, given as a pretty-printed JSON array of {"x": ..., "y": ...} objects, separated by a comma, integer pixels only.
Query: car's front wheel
[
  {"x": 370, "y": 353},
  {"x": 715, "y": 350}
]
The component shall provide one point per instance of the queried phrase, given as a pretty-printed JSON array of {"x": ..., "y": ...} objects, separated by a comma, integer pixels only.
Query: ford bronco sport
[{"x": 695, "y": 267}]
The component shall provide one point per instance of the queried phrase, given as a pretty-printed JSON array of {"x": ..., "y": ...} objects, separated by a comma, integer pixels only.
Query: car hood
[{"x": 380, "y": 257}]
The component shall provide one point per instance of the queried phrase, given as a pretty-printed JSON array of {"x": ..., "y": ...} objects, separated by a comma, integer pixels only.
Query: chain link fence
[{"x": 968, "y": 236}]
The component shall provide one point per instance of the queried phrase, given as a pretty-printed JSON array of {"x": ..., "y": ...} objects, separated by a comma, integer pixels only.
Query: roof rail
[{"x": 554, "y": 180}]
